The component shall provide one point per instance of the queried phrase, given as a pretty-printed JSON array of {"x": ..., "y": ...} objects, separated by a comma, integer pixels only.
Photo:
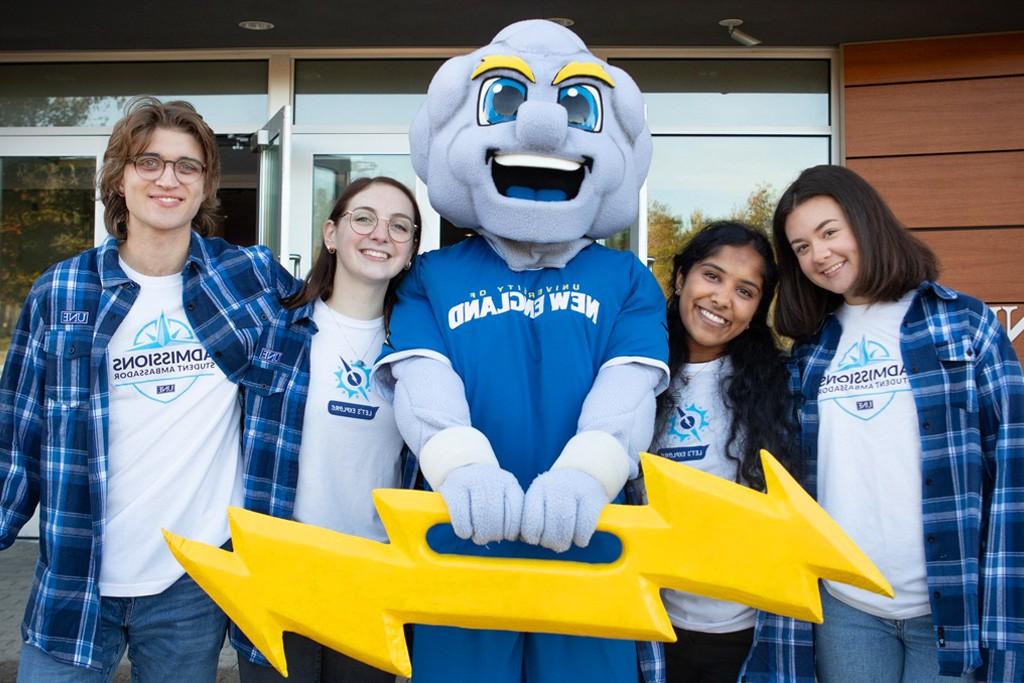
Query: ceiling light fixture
[
  {"x": 255, "y": 25},
  {"x": 741, "y": 37},
  {"x": 562, "y": 21}
]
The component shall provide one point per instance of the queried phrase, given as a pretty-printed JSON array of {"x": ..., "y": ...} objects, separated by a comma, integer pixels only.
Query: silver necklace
[
  {"x": 360, "y": 357},
  {"x": 688, "y": 378}
]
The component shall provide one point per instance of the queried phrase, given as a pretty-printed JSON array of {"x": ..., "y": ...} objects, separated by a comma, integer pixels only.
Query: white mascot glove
[
  {"x": 563, "y": 505},
  {"x": 484, "y": 502}
]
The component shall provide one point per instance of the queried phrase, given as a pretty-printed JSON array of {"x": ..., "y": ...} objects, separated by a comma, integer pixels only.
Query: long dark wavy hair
[
  {"x": 757, "y": 391},
  {"x": 319, "y": 284}
]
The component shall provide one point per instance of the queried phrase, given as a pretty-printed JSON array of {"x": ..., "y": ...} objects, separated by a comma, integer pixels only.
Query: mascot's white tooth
[{"x": 537, "y": 161}]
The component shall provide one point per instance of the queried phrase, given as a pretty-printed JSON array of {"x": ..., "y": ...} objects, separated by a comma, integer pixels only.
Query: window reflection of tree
[
  {"x": 46, "y": 215},
  {"x": 668, "y": 233},
  {"x": 58, "y": 111}
]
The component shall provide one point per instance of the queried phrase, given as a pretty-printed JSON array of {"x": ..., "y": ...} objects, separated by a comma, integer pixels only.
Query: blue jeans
[
  {"x": 174, "y": 636},
  {"x": 852, "y": 646}
]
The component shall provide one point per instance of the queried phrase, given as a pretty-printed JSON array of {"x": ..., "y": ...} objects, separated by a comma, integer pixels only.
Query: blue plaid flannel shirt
[
  {"x": 275, "y": 388},
  {"x": 969, "y": 393},
  {"x": 54, "y": 411}
]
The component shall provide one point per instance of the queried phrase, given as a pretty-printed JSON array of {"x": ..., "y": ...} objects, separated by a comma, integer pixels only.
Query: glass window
[
  {"x": 333, "y": 172},
  {"x": 697, "y": 179},
  {"x": 94, "y": 94},
  {"x": 362, "y": 91},
  {"x": 731, "y": 93},
  {"x": 623, "y": 239},
  {"x": 47, "y": 208}
]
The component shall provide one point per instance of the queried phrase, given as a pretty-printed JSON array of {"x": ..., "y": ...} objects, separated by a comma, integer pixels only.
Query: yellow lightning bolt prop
[{"x": 699, "y": 533}]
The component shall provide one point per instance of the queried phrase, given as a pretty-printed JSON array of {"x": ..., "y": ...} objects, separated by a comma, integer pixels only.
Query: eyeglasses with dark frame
[
  {"x": 151, "y": 167},
  {"x": 364, "y": 220}
]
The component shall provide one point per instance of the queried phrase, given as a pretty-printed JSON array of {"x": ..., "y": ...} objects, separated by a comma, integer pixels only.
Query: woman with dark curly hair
[{"x": 727, "y": 400}]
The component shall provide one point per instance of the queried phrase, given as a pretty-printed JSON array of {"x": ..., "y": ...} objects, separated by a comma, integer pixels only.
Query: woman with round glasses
[{"x": 319, "y": 438}]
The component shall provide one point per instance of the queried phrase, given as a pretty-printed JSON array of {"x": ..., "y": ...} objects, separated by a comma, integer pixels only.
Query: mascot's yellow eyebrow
[
  {"x": 512, "y": 62},
  {"x": 591, "y": 69}
]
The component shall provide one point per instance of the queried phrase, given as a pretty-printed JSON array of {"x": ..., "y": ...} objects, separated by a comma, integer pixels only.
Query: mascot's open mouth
[{"x": 537, "y": 178}]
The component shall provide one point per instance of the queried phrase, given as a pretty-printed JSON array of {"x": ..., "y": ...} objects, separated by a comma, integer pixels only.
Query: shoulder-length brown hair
[
  {"x": 131, "y": 135},
  {"x": 319, "y": 283},
  {"x": 892, "y": 260}
]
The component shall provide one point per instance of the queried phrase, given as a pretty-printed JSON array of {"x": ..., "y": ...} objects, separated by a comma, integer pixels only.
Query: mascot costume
[{"x": 527, "y": 358}]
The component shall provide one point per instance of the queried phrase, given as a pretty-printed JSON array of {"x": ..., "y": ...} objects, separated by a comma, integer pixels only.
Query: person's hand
[
  {"x": 485, "y": 503},
  {"x": 562, "y": 507}
]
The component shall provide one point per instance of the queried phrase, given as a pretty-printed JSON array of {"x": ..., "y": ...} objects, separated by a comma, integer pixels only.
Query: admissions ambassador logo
[
  {"x": 866, "y": 379},
  {"x": 164, "y": 361}
]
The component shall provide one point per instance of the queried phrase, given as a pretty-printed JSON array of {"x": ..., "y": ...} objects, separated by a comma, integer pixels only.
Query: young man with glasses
[{"x": 120, "y": 412}]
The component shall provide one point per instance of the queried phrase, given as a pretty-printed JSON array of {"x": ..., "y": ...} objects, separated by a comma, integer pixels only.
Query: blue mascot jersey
[{"x": 528, "y": 345}]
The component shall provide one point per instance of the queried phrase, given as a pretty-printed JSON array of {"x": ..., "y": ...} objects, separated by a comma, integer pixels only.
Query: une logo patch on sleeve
[
  {"x": 268, "y": 356},
  {"x": 74, "y": 317}
]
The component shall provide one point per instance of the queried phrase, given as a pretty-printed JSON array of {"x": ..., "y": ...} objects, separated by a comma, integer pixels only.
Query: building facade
[{"x": 933, "y": 123}]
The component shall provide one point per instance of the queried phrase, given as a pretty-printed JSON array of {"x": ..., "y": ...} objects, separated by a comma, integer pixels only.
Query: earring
[
  {"x": 678, "y": 291},
  {"x": 330, "y": 250},
  {"x": 408, "y": 265}
]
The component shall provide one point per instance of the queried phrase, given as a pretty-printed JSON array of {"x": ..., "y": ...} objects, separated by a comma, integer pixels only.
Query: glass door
[
  {"x": 273, "y": 142},
  {"x": 48, "y": 212}
]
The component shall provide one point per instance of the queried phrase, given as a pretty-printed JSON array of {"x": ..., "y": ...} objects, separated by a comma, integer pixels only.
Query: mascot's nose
[{"x": 541, "y": 126}]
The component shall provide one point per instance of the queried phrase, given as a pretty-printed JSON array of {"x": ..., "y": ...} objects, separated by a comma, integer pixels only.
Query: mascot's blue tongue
[{"x": 542, "y": 195}]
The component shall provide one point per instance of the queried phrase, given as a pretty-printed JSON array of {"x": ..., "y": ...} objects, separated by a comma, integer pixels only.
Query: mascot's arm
[
  {"x": 562, "y": 505},
  {"x": 621, "y": 403},
  {"x": 484, "y": 501}
]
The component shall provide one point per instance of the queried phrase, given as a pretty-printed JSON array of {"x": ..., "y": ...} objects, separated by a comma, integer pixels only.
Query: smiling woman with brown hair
[
  {"x": 912, "y": 423},
  {"x": 320, "y": 436}
]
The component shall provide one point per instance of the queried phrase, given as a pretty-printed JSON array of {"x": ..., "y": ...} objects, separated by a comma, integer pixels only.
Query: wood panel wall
[{"x": 937, "y": 125}]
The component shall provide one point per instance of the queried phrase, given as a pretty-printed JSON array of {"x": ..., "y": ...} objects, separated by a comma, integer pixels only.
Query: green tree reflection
[
  {"x": 78, "y": 110},
  {"x": 668, "y": 233},
  {"x": 46, "y": 215},
  {"x": 758, "y": 209}
]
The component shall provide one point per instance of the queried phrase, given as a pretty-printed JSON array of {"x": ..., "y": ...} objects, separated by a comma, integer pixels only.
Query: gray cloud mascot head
[{"x": 532, "y": 138}]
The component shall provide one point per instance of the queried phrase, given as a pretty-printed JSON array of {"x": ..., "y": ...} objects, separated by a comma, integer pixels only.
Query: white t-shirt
[
  {"x": 174, "y": 442},
  {"x": 350, "y": 443},
  {"x": 869, "y": 457},
  {"x": 696, "y": 434}
]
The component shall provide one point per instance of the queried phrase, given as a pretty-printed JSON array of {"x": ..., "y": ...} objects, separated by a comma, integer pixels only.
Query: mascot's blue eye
[
  {"x": 500, "y": 98},
  {"x": 583, "y": 103}
]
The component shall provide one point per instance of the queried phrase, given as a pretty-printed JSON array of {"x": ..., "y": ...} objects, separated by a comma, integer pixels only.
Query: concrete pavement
[{"x": 16, "y": 566}]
